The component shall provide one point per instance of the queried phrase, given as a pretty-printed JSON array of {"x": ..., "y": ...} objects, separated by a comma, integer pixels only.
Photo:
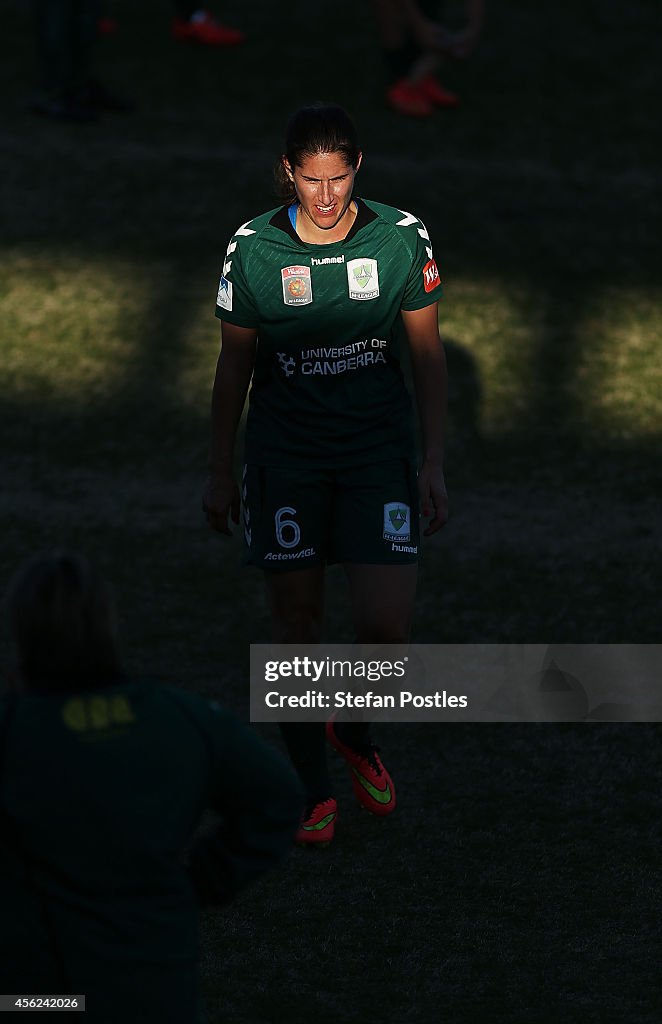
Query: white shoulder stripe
[
  {"x": 408, "y": 220},
  {"x": 244, "y": 230},
  {"x": 228, "y": 262}
]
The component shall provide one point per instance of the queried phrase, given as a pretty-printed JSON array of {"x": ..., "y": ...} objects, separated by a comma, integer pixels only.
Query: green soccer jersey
[{"x": 327, "y": 386}]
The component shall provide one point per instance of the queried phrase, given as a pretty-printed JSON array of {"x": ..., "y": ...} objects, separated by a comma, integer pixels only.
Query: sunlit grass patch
[
  {"x": 70, "y": 325},
  {"x": 489, "y": 332},
  {"x": 619, "y": 364}
]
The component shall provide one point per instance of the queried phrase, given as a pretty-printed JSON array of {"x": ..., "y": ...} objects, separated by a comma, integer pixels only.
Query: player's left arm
[{"x": 431, "y": 387}]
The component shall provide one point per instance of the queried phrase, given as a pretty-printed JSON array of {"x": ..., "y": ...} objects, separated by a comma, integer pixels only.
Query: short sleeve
[
  {"x": 235, "y": 302},
  {"x": 423, "y": 285}
]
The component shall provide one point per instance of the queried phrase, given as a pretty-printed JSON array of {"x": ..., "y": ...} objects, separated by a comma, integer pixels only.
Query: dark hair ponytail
[{"x": 321, "y": 128}]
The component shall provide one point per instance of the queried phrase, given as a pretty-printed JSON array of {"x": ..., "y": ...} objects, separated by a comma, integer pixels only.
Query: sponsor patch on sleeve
[
  {"x": 430, "y": 275},
  {"x": 224, "y": 297}
]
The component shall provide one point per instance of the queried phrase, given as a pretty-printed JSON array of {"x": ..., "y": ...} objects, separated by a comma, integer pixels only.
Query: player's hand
[
  {"x": 433, "y": 496},
  {"x": 221, "y": 498}
]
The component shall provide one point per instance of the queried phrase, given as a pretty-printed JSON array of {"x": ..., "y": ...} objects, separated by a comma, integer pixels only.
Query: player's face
[{"x": 324, "y": 184}]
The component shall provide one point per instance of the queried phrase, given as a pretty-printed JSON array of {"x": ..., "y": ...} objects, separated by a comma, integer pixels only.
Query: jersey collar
[{"x": 281, "y": 220}]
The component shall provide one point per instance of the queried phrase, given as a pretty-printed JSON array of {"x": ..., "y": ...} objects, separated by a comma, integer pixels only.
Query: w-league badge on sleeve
[{"x": 224, "y": 297}]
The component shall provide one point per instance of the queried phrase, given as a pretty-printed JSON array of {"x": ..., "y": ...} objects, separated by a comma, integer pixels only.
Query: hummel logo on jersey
[
  {"x": 326, "y": 261},
  {"x": 363, "y": 279},
  {"x": 430, "y": 276},
  {"x": 396, "y": 521}
]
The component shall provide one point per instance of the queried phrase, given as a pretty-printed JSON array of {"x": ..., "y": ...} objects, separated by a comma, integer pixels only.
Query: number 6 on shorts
[{"x": 283, "y": 524}]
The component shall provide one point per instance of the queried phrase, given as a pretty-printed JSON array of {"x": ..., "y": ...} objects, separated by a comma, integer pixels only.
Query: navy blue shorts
[{"x": 295, "y": 518}]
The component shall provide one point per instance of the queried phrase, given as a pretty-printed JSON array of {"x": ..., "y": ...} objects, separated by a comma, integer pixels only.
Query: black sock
[{"x": 306, "y": 745}]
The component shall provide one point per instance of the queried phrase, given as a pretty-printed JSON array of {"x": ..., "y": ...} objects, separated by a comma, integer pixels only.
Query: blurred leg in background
[
  {"x": 414, "y": 44},
  {"x": 64, "y": 34},
  {"x": 65, "y": 31}
]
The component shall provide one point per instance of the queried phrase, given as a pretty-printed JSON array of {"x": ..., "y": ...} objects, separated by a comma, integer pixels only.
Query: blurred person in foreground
[
  {"x": 103, "y": 783},
  {"x": 414, "y": 44}
]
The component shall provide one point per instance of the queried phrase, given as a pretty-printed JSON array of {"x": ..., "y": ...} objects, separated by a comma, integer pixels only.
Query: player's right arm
[{"x": 234, "y": 370}]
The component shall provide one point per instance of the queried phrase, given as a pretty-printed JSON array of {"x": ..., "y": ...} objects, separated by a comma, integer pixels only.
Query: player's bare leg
[
  {"x": 296, "y": 600},
  {"x": 382, "y": 598}
]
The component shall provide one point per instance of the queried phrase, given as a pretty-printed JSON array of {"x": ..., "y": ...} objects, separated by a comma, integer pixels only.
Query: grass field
[{"x": 518, "y": 881}]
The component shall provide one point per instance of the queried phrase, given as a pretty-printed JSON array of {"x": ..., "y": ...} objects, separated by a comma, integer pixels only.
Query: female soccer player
[{"x": 314, "y": 297}]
